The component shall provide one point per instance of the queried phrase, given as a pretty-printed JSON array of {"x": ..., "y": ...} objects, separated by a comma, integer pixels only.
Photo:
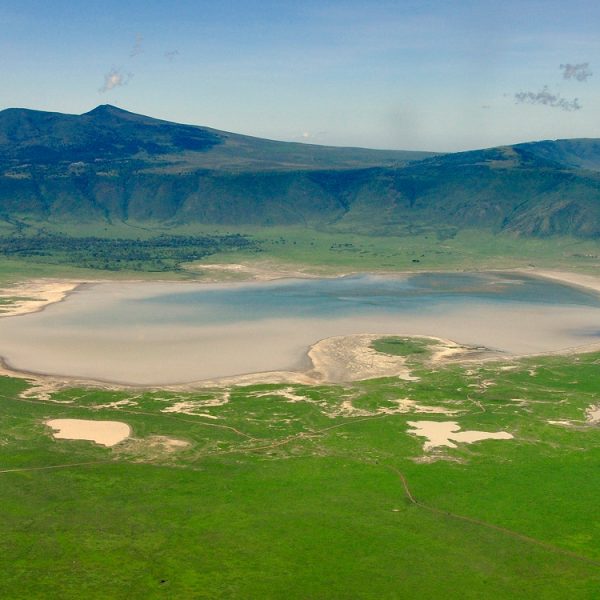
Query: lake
[{"x": 166, "y": 333}]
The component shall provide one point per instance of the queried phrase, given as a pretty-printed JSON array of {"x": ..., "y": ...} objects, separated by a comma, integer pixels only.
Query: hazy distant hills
[{"x": 110, "y": 165}]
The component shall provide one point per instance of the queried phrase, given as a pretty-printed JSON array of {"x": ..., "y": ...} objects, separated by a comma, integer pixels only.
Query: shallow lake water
[{"x": 153, "y": 333}]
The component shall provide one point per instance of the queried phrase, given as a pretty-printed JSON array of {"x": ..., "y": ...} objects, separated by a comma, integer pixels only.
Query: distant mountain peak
[{"x": 107, "y": 109}]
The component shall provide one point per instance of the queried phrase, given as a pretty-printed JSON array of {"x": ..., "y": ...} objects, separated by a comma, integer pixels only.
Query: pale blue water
[
  {"x": 180, "y": 332},
  {"x": 358, "y": 296}
]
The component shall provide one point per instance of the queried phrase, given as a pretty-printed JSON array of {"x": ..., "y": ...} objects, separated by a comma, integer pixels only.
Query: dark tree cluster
[{"x": 160, "y": 253}]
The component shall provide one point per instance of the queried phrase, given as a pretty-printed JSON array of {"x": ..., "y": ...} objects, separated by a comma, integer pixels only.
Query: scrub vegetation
[
  {"x": 161, "y": 253},
  {"x": 181, "y": 252},
  {"x": 309, "y": 491}
]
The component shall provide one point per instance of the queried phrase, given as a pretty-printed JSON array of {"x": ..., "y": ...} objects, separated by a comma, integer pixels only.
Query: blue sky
[{"x": 430, "y": 74}]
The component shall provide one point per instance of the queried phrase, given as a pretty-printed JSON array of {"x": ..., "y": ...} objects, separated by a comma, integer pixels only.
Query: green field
[
  {"x": 159, "y": 253},
  {"x": 402, "y": 346},
  {"x": 277, "y": 498},
  {"x": 305, "y": 492}
]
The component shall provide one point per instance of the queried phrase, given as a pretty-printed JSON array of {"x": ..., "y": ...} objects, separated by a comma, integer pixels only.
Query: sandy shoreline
[
  {"x": 337, "y": 359},
  {"x": 34, "y": 295},
  {"x": 580, "y": 280}
]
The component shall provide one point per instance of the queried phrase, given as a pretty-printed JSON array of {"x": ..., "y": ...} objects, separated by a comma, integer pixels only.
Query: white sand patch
[
  {"x": 288, "y": 393},
  {"x": 436, "y": 410},
  {"x": 445, "y": 349},
  {"x": 167, "y": 443},
  {"x": 31, "y": 296},
  {"x": 431, "y": 458},
  {"x": 191, "y": 407},
  {"x": 117, "y": 404},
  {"x": 592, "y": 414},
  {"x": 267, "y": 377},
  {"x": 402, "y": 406},
  {"x": 351, "y": 358},
  {"x": 261, "y": 271},
  {"x": 206, "y": 415},
  {"x": 151, "y": 448},
  {"x": 41, "y": 389},
  {"x": 590, "y": 282},
  {"x": 405, "y": 405},
  {"x": 188, "y": 407},
  {"x": 562, "y": 422},
  {"x": 291, "y": 396},
  {"x": 347, "y": 409},
  {"x": 105, "y": 433},
  {"x": 520, "y": 402},
  {"x": 445, "y": 433}
]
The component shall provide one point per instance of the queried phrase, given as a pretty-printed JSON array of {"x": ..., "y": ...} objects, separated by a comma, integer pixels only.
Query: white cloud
[{"x": 115, "y": 78}]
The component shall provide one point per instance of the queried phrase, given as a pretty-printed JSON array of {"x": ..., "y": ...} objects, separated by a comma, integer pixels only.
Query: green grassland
[
  {"x": 275, "y": 498},
  {"x": 402, "y": 346},
  {"x": 178, "y": 253},
  {"x": 428, "y": 250}
]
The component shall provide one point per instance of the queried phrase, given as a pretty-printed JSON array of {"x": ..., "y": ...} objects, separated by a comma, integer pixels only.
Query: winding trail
[
  {"x": 79, "y": 464},
  {"x": 306, "y": 435},
  {"x": 514, "y": 534}
]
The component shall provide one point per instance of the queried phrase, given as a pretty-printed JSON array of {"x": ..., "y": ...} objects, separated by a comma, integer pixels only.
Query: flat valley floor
[{"x": 460, "y": 479}]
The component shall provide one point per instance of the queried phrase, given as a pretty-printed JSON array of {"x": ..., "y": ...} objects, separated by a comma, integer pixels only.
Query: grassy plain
[
  {"x": 302, "y": 496},
  {"x": 466, "y": 250},
  {"x": 285, "y": 491},
  {"x": 325, "y": 251}
]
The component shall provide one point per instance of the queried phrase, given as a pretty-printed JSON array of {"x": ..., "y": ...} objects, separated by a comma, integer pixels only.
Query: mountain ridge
[
  {"x": 133, "y": 135},
  {"x": 110, "y": 165}
]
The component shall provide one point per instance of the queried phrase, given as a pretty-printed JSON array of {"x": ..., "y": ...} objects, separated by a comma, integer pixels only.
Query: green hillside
[
  {"x": 110, "y": 167},
  {"x": 578, "y": 153}
]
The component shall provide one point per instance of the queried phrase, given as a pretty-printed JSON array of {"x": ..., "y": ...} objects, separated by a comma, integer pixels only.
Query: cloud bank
[{"x": 547, "y": 98}]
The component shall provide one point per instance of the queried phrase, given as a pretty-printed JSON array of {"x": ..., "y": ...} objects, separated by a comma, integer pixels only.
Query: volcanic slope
[{"x": 110, "y": 166}]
